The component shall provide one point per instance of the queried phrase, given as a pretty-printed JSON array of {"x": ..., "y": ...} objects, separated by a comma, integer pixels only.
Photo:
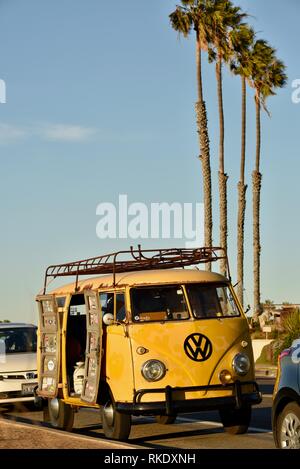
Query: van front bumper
[{"x": 171, "y": 406}]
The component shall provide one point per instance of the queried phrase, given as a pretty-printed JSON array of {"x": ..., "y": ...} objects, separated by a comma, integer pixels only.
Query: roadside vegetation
[{"x": 283, "y": 339}]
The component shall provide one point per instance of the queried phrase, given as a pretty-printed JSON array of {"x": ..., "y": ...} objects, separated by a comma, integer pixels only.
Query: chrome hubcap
[
  {"x": 108, "y": 410},
  {"x": 54, "y": 405},
  {"x": 290, "y": 432}
]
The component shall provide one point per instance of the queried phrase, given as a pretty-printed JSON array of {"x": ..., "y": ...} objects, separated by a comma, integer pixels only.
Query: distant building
[{"x": 273, "y": 314}]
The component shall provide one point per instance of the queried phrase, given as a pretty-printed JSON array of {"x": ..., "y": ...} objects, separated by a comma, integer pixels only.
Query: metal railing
[{"x": 137, "y": 259}]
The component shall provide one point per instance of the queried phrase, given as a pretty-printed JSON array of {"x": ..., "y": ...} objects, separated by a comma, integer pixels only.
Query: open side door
[
  {"x": 49, "y": 346},
  {"x": 93, "y": 347}
]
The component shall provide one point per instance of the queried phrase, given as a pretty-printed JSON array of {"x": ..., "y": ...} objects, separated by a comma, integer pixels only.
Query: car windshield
[
  {"x": 18, "y": 340},
  {"x": 159, "y": 303},
  {"x": 211, "y": 301}
]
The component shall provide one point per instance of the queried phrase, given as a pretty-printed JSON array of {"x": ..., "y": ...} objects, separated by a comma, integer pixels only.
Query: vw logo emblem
[{"x": 198, "y": 347}]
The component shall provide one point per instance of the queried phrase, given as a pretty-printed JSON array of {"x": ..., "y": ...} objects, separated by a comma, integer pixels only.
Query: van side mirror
[{"x": 108, "y": 319}]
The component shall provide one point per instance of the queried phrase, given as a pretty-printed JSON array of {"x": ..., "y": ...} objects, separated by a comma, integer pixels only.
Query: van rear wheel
[
  {"x": 236, "y": 421},
  {"x": 165, "y": 419},
  {"x": 59, "y": 414},
  {"x": 116, "y": 426}
]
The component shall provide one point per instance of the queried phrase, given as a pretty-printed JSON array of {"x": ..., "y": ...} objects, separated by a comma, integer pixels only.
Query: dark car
[{"x": 286, "y": 399}]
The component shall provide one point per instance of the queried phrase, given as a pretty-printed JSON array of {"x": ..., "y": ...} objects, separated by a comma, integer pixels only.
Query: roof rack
[{"x": 139, "y": 259}]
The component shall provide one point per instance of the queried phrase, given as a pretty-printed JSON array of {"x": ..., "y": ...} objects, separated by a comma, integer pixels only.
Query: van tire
[
  {"x": 116, "y": 426},
  {"x": 236, "y": 421},
  {"x": 165, "y": 419},
  {"x": 59, "y": 414},
  {"x": 286, "y": 431}
]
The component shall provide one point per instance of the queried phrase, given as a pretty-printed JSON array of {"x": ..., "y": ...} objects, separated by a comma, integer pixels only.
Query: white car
[{"x": 18, "y": 367}]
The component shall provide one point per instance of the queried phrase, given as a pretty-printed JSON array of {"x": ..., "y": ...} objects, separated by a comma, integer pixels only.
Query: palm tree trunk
[
  {"x": 242, "y": 188},
  {"x": 256, "y": 187},
  {"x": 222, "y": 176},
  {"x": 202, "y": 129},
  {"x": 199, "y": 69}
]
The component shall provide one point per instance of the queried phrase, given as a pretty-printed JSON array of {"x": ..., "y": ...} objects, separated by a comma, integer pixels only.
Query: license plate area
[{"x": 27, "y": 388}]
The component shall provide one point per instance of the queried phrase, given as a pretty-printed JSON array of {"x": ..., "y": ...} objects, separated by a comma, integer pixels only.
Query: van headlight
[
  {"x": 153, "y": 370},
  {"x": 241, "y": 364}
]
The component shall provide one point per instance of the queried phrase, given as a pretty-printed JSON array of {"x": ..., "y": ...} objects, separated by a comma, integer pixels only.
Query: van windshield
[
  {"x": 18, "y": 339},
  {"x": 159, "y": 303},
  {"x": 211, "y": 301}
]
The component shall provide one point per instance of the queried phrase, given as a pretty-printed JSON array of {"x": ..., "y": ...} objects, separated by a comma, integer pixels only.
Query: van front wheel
[
  {"x": 236, "y": 421},
  {"x": 59, "y": 414},
  {"x": 116, "y": 426}
]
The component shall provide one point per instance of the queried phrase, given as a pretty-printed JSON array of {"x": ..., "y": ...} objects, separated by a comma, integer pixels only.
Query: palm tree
[
  {"x": 190, "y": 15},
  {"x": 267, "y": 74},
  {"x": 225, "y": 18},
  {"x": 242, "y": 40}
]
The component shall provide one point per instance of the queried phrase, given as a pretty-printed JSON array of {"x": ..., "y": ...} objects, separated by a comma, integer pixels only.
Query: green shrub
[
  {"x": 273, "y": 335},
  {"x": 291, "y": 332}
]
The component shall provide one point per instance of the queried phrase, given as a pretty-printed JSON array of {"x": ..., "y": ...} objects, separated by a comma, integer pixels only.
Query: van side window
[
  {"x": 107, "y": 303},
  {"x": 120, "y": 307},
  {"x": 60, "y": 300},
  {"x": 108, "y": 300}
]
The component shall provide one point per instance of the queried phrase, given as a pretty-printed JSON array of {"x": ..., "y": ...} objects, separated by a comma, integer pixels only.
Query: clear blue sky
[{"x": 100, "y": 102}]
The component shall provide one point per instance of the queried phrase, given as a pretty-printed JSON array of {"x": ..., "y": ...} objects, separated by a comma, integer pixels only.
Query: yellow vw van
[{"x": 147, "y": 333}]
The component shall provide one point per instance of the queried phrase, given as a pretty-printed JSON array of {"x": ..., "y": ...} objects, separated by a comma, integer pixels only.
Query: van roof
[{"x": 144, "y": 277}]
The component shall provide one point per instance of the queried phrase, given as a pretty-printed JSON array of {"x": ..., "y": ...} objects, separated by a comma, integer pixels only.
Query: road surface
[{"x": 190, "y": 431}]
